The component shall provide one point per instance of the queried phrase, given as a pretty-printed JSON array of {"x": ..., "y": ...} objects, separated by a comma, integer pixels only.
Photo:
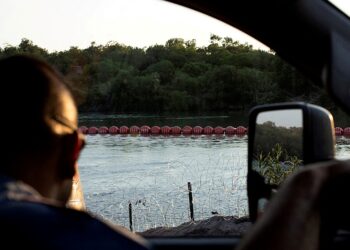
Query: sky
[
  {"x": 344, "y": 5},
  {"x": 59, "y": 24},
  {"x": 285, "y": 118}
]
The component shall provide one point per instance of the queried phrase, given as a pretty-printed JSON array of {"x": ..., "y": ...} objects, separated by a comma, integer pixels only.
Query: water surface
[{"x": 152, "y": 172}]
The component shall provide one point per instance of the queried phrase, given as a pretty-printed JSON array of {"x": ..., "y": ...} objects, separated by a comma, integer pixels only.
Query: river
[{"x": 152, "y": 172}]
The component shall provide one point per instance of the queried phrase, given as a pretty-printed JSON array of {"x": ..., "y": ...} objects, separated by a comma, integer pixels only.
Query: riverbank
[
  {"x": 99, "y": 119},
  {"x": 214, "y": 226}
]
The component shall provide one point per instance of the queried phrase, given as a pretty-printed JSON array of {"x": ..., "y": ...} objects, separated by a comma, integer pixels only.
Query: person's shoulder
[{"x": 63, "y": 227}]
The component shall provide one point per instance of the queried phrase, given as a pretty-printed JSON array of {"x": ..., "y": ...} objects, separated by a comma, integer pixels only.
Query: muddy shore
[{"x": 214, "y": 226}]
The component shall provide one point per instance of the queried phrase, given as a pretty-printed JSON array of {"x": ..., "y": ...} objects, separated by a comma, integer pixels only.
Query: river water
[{"x": 152, "y": 173}]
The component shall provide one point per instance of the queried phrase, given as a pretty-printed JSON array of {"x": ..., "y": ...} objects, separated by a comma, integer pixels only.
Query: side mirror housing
[{"x": 282, "y": 138}]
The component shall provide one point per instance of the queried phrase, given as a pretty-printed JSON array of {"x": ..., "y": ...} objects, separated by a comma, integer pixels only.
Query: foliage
[
  {"x": 276, "y": 165},
  {"x": 277, "y": 151},
  {"x": 176, "y": 77},
  {"x": 267, "y": 135}
]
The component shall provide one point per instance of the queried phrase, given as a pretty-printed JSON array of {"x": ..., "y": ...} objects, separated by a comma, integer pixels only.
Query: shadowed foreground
[{"x": 214, "y": 226}]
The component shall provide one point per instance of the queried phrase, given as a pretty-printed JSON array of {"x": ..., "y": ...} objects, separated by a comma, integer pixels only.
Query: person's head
[{"x": 39, "y": 133}]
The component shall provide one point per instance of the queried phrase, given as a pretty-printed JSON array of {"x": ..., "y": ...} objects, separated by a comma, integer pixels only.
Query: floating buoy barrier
[
  {"x": 197, "y": 130},
  {"x": 241, "y": 130},
  {"x": 113, "y": 130},
  {"x": 103, "y": 130},
  {"x": 208, "y": 130},
  {"x": 92, "y": 131},
  {"x": 123, "y": 130},
  {"x": 134, "y": 130},
  {"x": 155, "y": 130},
  {"x": 145, "y": 130},
  {"x": 229, "y": 130},
  {"x": 219, "y": 130},
  {"x": 166, "y": 130},
  {"x": 176, "y": 130},
  {"x": 83, "y": 129},
  {"x": 187, "y": 130},
  {"x": 338, "y": 131},
  {"x": 346, "y": 131}
]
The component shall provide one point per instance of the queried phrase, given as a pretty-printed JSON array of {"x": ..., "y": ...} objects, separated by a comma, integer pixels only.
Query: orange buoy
[
  {"x": 134, "y": 130},
  {"x": 219, "y": 130},
  {"x": 229, "y": 130},
  {"x": 197, "y": 130},
  {"x": 123, "y": 130},
  {"x": 145, "y": 130},
  {"x": 155, "y": 130},
  {"x": 113, "y": 130},
  {"x": 165, "y": 130},
  {"x": 346, "y": 131},
  {"x": 187, "y": 130},
  {"x": 338, "y": 131},
  {"x": 83, "y": 129},
  {"x": 241, "y": 130},
  {"x": 103, "y": 130},
  {"x": 176, "y": 130},
  {"x": 92, "y": 131},
  {"x": 208, "y": 130}
]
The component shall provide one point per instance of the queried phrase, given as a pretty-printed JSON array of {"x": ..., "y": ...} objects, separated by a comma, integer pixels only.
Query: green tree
[{"x": 178, "y": 76}]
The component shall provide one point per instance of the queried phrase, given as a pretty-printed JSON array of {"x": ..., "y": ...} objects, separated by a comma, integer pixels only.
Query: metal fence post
[
  {"x": 130, "y": 216},
  {"x": 190, "y": 200}
]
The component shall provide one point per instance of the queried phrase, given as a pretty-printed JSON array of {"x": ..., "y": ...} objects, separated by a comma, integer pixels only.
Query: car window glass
[
  {"x": 344, "y": 6},
  {"x": 186, "y": 79}
]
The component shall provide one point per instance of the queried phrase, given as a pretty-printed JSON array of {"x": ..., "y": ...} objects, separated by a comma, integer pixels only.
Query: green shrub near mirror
[{"x": 278, "y": 144}]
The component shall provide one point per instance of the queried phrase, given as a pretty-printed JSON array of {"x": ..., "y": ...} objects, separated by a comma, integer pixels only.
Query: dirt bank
[{"x": 214, "y": 226}]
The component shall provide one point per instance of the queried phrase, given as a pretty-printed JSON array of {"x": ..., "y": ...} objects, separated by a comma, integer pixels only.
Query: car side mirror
[{"x": 281, "y": 139}]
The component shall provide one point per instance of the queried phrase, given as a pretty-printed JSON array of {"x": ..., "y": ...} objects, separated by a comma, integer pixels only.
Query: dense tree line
[
  {"x": 277, "y": 152},
  {"x": 176, "y": 77},
  {"x": 268, "y": 135}
]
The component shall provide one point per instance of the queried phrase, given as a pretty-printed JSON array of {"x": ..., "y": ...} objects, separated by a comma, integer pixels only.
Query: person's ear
[{"x": 69, "y": 156}]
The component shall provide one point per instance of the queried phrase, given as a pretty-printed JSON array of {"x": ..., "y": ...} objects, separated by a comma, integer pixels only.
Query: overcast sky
[
  {"x": 285, "y": 118},
  {"x": 344, "y": 5},
  {"x": 60, "y": 24}
]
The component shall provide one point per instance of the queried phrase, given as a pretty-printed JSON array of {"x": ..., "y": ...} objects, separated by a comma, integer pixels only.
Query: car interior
[{"x": 314, "y": 37}]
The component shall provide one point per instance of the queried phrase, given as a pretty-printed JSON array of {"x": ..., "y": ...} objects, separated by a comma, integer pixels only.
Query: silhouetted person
[
  {"x": 307, "y": 211},
  {"x": 40, "y": 149}
]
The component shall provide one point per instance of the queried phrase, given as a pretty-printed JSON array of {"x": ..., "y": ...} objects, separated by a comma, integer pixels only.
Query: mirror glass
[{"x": 278, "y": 144}]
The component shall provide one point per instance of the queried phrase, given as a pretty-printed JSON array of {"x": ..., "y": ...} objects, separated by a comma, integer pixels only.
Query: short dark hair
[{"x": 27, "y": 95}]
